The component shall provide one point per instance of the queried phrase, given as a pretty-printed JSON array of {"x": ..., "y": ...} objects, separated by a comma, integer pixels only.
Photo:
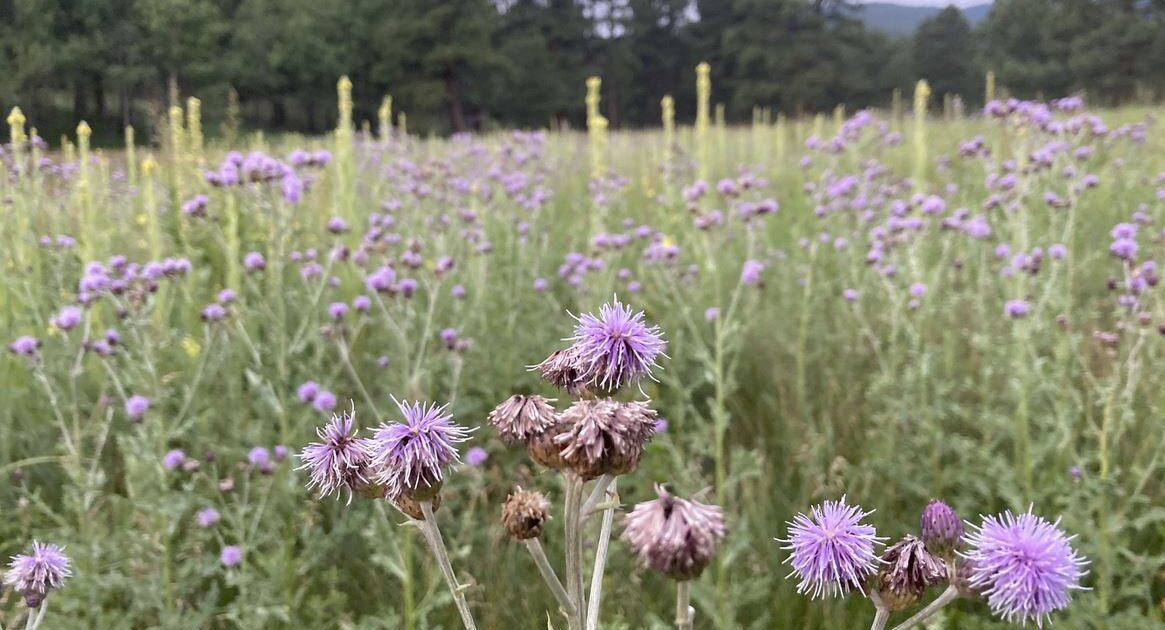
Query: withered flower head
[
  {"x": 519, "y": 417},
  {"x": 908, "y": 570},
  {"x": 674, "y": 536},
  {"x": 525, "y": 513},
  {"x": 605, "y": 436}
]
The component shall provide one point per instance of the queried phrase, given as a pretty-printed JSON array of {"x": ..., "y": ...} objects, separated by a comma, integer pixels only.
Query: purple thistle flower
[
  {"x": 137, "y": 406},
  {"x": 33, "y": 576},
  {"x": 750, "y": 273},
  {"x": 674, "y": 536},
  {"x": 1057, "y": 251},
  {"x": 231, "y": 556},
  {"x": 207, "y": 517},
  {"x": 336, "y": 225},
  {"x": 337, "y": 310},
  {"x": 940, "y": 527},
  {"x": 410, "y": 456},
  {"x": 307, "y": 391},
  {"x": 254, "y": 261},
  {"x": 661, "y": 426},
  {"x": 449, "y": 338},
  {"x": 25, "y": 345},
  {"x": 540, "y": 284},
  {"x": 1024, "y": 566},
  {"x": 213, "y": 313},
  {"x": 1124, "y": 248},
  {"x": 849, "y": 295},
  {"x": 476, "y": 456},
  {"x": 340, "y": 460},
  {"x": 280, "y": 452},
  {"x": 362, "y": 303},
  {"x": 259, "y": 456},
  {"x": 458, "y": 292},
  {"x": 918, "y": 289},
  {"x": 1016, "y": 309},
  {"x": 226, "y": 296},
  {"x": 324, "y": 401},
  {"x": 832, "y": 550},
  {"x": 616, "y": 348},
  {"x": 68, "y": 318},
  {"x": 173, "y": 459}
]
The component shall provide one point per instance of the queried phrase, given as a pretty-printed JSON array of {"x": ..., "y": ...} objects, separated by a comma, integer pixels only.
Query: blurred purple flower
[
  {"x": 33, "y": 576},
  {"x": 231, "y": 556},
  {"x": 324, "y": 400},
  {"x": 207, "y": 517},
  {"x": 136, "y": 406},
  {"x": 476, "y": 456},
  {"x": 173, "y": 459}
]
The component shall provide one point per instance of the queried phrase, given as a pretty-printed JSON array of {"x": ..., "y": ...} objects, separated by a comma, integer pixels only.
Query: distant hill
[{"x": 899, "y": 19}]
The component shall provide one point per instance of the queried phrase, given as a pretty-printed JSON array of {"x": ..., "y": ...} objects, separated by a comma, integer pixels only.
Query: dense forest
[{"x": 473, "y": 64}]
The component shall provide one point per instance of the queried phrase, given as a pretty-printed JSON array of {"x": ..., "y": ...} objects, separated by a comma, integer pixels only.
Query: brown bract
[
  {"x": 525, "y": 513},
  {"x": 605, "y": 436}
]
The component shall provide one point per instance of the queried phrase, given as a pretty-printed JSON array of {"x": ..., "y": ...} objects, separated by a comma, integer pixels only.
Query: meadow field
[{"x": 890, "y": 307}]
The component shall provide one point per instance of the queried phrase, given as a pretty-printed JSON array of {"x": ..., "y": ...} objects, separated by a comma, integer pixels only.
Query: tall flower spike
[
  {"x": 908, "y": 571},
  {"x": 340, "y": 460},
  {"x": 831, "y": 549},
  {"x": 33, "y": 576},
  {"x": 410, "y": 456},
  {"x": 1024, "y": 566},
  {"x": 617, "y": 347},
  {"x": 605, "y": 436},
  {"x": 519, "y": 418},
  {"x": 674, "y": 536}
]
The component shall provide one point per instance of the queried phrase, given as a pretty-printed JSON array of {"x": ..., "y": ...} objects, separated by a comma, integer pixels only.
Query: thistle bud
[
  {"x": 908, "y": 570},
  {"x": 525, "y": 513},
  {"x": 941, "y": 529}
]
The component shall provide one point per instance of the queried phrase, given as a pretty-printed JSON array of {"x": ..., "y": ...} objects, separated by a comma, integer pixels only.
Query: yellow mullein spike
[
  {"x": 703, "y": 114},
  {"x": 384, "y": 117},
  {"x": 921, "y": 100},
  {"x": 131, "y": 161},
  {"x": 230, "y": 126},
  {"x": 596, "y": 125},
  {"x": 839, "y": 115},
  {"x": 989, "y": 87},
  {"x": 149, "y": 165},
  {"x": 667, "y": 106},
  {"x": 194, "y": 127}
]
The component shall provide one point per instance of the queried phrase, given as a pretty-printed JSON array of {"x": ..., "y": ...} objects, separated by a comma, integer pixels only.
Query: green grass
[{"x": 792, "y": 396}]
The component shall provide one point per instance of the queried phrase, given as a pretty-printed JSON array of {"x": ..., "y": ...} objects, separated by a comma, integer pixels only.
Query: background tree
[{"x": 944, "y": 55}]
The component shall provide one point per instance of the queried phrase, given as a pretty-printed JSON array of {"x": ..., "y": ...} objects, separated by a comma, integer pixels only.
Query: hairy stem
[
  {"x": 596, "y": 594},
  {"x": 550, "y": 577},
  {"x": 948, "y": 596},
  {"x": 574, "y": 489},
  {"x": 882, "y": 614},
  {"x": 683, "y": 605},
  {"x": 433, "y": 534}
]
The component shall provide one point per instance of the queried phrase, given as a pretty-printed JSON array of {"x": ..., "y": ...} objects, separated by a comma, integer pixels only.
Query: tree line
[{"x": 474, "y": 64}]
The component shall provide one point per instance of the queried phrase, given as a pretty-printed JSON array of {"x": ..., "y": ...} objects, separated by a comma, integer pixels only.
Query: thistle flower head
[
  {"x": 605, "y": 436},
  {"x": 340, "y": 460},
  {"x": 34, "y": 575},
  {"x": 941, "y": 529},
  {"x": 908, "y": 571},
  {"x": 520, "y": 417},
  {"x": 1024, "y": 566},
  {"x": 525, "y": 513},
  {"x": 411, "y": 455},
  {"x": 562, "y": 370},
  {"x": 673, "y": 535},
  {"x": 831, "y": 549},
  {"x": 616, "y": 347}
]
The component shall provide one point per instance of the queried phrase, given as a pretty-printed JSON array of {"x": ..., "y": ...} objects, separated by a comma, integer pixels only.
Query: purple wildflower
[
  {"x": 1017, "y": 309},
  {"x": 337, "y": 310},
  {"x": 324, "y": 400},
  {"x": 410, "y": 456},
  {"x": 254, "y": 261},
  {"x": 1024, "y": 566},
  {"x": 849, "y": 295},
  {"x": 519, "y": 418},
  {"x": 750, "y": 273},
  {"x": 207, "y": 517},
  {"x": 1123, "y": 248},
  {"x": 711, "y": 313},
  {"x": 362, "y": 303},
  {"x": 68, "y": 318},
  {"x": 307, "y": 392},
  {"x": 674, "y": 536},
  {"x": 832, "y": 550},
  {"x": 918, "y": 289},
  {"x": 259, "y": 457},
  {"x": 476, "y": 456},
  {"x": 136, "y": 406},
  {"x": 540, "y": 284},
  {"x": 173, "y": 459},
  {"x": 24, "y": 345},
  {"x": 226, "y": 296},
  {"x": 33, "y": 576},
  {"x": 340, "y": 460},
  {"x": 458, "y": 292},
  {"x": 616, "y": 348},
  {"x": 213, "y": 313},
  {"x": 231, "y": 556}
]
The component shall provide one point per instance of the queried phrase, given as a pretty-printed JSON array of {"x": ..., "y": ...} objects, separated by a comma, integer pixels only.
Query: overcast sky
[{"x": 931, "y": 3}]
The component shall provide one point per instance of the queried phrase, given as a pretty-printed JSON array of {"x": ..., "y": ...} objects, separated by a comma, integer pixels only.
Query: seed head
[
  {"x": 519, "y": 417},
  {"x": 525, "y": 513}
]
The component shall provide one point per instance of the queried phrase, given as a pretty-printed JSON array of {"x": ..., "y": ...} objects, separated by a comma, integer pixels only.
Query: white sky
[{"x": 931, "y": 3}]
